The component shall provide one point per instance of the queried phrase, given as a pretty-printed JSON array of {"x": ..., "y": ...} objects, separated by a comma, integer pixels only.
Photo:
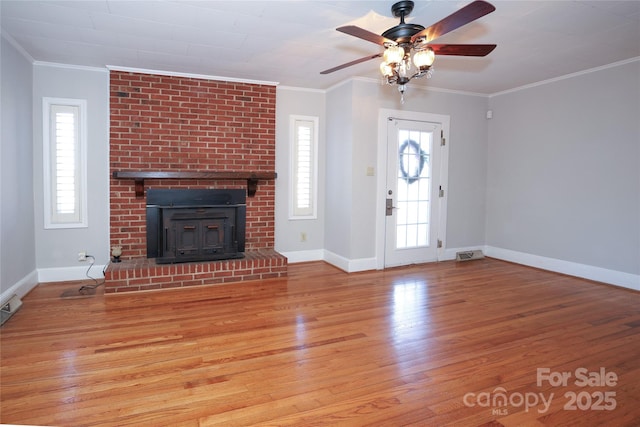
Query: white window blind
[
  {"x": 304, "y": 167},
  {"x": 64, "y": 163}
]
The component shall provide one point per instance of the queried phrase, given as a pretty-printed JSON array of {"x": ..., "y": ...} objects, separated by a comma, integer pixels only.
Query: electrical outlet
[{"x": 82, "y": 256}]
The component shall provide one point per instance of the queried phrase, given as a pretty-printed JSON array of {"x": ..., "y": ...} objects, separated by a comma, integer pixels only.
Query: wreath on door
[{"x": 410, "y": 170}]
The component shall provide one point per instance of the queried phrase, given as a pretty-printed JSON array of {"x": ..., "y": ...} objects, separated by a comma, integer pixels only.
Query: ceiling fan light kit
[
  {"x": 408, "y": 43},
  {"x": 397, "y": 56}
]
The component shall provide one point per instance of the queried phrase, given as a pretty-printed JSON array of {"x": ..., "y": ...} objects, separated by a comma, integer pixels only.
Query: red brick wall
[{"x": 168, "y": 123}]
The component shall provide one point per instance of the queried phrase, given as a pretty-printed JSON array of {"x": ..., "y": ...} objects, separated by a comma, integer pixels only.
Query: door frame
[{"x": 381, "y": 183}]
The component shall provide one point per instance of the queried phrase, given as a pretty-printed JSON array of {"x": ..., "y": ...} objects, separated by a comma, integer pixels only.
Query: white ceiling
[{"x": 290, "y": 42}]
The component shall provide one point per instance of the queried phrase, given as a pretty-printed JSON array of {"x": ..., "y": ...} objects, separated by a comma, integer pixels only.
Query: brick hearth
[{"x": 143, "y": 274}]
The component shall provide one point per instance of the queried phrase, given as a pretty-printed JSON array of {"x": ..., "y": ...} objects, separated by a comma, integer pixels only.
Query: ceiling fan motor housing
[{"x": 402, "y": 32}]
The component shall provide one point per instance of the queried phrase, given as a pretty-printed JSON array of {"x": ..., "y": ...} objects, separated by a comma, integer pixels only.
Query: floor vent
[
  {"x": 469, "y": 255},
  {"x": 9, "y": 308}
]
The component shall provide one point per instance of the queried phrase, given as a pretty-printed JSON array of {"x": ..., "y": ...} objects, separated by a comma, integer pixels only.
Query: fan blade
[
  {"x": 363, "y": 34},
  {"x": 467, "y": 14},
  {"x": 349, "y": 64},
  {"x": 463, "y": 49}
]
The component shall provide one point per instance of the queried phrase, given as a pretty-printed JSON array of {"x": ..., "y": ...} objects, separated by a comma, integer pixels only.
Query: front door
[{"x": 412, "y": 191}]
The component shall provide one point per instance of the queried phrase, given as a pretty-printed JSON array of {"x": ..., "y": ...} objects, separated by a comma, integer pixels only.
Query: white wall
[
  {"x": 17, "y": 242},
  {"x": 564, "y": 170},
  {"x": 301, "y": 102},
  {"x": 57, "y": 249}
]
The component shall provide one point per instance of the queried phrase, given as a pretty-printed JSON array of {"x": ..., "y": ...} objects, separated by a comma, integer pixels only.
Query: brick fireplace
[{"x": 171, "y": 132}]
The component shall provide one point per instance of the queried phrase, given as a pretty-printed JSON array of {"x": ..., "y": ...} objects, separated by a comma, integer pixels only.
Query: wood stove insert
[{"x": 195, "y": 225}]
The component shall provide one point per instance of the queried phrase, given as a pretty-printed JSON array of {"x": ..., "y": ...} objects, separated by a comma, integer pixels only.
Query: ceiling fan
[{"x": 403, "y": 39}]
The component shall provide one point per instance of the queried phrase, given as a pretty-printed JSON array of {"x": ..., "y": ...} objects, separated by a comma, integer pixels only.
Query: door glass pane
[
  {"x": 413, "y": 188},
  {"x": 401, "y": 236}
]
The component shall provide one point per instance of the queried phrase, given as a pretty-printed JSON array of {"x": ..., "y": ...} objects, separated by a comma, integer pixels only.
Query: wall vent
[
  {"x": 469, "y": 255},
  {"x": 9, "y": 308}
]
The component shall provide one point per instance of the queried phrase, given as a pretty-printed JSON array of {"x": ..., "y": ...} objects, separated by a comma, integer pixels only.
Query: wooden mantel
[{"x": 139, "y": 177}]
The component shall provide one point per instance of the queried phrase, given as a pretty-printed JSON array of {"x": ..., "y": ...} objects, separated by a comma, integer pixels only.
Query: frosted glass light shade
[
  {"x": 386, "y": 69},
  {"x": 424, "y": 58},
  {"x": 393, "y": 54}
]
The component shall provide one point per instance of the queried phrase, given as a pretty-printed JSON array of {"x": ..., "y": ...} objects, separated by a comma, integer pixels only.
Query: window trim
[
  {"x": 51, "y": 219},
  {"x": 293, "y": 120}
]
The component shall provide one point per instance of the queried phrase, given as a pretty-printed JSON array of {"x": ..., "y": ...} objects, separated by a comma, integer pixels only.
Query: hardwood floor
[{"x": 430, "y": 345}]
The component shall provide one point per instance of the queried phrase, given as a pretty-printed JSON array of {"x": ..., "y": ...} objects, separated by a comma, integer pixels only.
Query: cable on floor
[{"x": 96, "y": 282}]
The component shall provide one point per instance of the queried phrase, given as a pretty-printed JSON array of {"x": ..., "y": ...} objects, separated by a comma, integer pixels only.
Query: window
[
  {"x": 64, "y": 163},
  {"x": 304, "y": 167}
]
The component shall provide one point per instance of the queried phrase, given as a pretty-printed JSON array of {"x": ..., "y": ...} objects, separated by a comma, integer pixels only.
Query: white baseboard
[
  {"x": 362, "y": 264},
  {"x": 345, "y": 264},
  {"x": 612, "y": 277},
  {"x": 304, "y": 256},
  {"x": 21, "y": 288},
  {"x": 349, "y": 265},
  {"x": 336, "y": 260},
  {"x": 598, "y": 274},
  {"x": 65, "y": 274}
]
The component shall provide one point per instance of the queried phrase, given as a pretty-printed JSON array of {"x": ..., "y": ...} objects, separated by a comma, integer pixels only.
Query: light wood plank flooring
[{"x": 429, "y": 345}]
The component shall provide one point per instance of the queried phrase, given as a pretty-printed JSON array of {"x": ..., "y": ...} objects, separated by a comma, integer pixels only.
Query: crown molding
[
  {"x": 451, "y": 91},
  {"x": 190, "y": 75},
  {"x": 17, "y": 46},
  {"x": 302, "y": 89},
  {"x": 70, "y": 66},
  {"x": 567, "y": 76},
  {"x": 425, "y": 88}
]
